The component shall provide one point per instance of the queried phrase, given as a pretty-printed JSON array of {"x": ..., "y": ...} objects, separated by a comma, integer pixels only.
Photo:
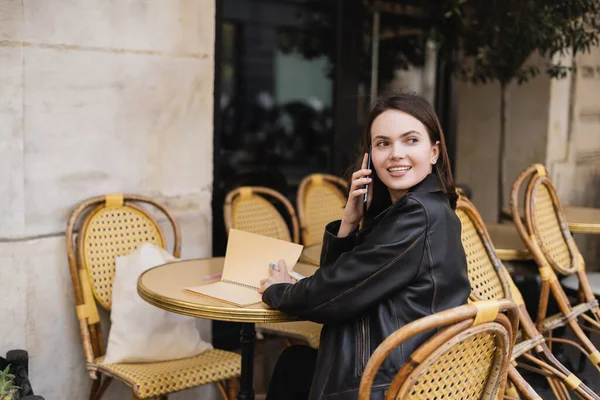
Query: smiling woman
[
  {"x": 403, "y": 155},
  {"x": 407, "y": 261},
  {"x": 404, "y": 131}
]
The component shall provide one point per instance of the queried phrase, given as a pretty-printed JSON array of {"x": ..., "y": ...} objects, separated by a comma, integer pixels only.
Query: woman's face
[{"x": 402, "y": 154}]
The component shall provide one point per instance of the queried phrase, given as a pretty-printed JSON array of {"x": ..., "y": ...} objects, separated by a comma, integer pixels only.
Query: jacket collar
[{"x": 430, "y": 184}]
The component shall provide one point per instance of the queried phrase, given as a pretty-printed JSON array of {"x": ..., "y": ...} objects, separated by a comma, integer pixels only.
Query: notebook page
[
  {"x": 248, "y": 256},
  {"x": 228, "y": 292}
]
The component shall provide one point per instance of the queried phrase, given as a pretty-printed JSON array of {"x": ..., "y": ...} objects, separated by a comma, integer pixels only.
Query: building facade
[{"x": 100, "y": 97}]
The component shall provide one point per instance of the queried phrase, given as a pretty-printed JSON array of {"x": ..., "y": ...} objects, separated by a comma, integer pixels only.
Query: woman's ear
[{"x": 435, "y": 152}]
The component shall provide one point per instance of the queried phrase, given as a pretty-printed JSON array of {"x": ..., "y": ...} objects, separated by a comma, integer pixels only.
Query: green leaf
[
  {"x": 496, "y": 38},
  {"x": 7, "y": 389}
]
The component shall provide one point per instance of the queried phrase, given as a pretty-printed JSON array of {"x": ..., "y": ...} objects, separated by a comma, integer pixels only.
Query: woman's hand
[
  {"x": 353, "y": 212},
  {"x": 279, "y": 274}
]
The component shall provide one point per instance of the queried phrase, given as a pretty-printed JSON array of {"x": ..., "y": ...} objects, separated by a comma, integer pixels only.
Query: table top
[
  {"x": 505, "y": 238},
  {"x": 579, "y": 219},
  {"x": 162, "y": 286},
  {"x": 509, "y": 245},
  {"x": 583, "y": 219}
]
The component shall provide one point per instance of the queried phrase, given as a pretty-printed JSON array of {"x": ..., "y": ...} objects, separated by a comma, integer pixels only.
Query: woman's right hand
[{"x": 354, "y": 210}]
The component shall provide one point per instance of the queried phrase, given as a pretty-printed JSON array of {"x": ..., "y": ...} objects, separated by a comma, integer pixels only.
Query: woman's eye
[
  {"x": 412, "y": 140},
  {"x": 381, "y": 144}
]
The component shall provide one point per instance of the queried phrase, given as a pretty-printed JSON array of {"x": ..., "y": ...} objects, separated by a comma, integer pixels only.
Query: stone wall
[
  {"x": 478, "y": 137},
  {"x": 95, "y": 97},
  {"x": 554, "y": 122},
  {"x": 574, "y": 153}
]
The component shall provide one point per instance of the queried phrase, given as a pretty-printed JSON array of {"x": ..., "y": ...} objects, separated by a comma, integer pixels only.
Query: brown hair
[{"x": 419, "y": 108}]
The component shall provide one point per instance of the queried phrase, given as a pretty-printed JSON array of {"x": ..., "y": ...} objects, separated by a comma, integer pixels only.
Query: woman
[{"x": 406, "y": 262}]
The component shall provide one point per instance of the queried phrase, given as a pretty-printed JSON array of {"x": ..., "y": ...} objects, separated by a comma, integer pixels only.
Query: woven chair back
[
  {"x": 488, "y": 277},
  {"x": 467, "y": 359},
  {"x": 321, "y": 199},
  {"x": 545, "y": 217},
  {"x": 251, "y": 209},
  {"x": 474, "y": 357},
  {"x": 99, "y": 230},
  {"x": 107, "y": 233},
  {"x": 485, "y": 282}
]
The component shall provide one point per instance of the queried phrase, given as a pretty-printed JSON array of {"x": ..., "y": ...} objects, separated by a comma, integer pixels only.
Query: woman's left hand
[{"x": 279, "y": 274}]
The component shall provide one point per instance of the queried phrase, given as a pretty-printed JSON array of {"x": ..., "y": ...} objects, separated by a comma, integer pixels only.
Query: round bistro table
[
  {"x": 583, "y": 219},
  {"x": 162, "y": 286}
]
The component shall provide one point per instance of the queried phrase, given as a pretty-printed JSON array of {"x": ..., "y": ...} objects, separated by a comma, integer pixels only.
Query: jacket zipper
[
  {"x": 367, "y": 346},
  {"x": 362, "y": 352}
]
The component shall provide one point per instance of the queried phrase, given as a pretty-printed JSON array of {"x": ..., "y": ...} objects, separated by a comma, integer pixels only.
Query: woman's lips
[{"x": 398, "y": 172}]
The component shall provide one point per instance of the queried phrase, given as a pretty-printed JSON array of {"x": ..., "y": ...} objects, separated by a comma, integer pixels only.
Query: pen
[
  {"x": 296, "y": 275},
  {"x": 209, "y": 277}
]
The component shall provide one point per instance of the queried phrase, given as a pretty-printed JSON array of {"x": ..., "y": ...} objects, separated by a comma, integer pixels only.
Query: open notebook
[{"x": 247, "y": 261}]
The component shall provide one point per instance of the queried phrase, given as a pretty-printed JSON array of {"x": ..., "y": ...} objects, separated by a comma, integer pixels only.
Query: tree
[{"x": 495, "y": 38}]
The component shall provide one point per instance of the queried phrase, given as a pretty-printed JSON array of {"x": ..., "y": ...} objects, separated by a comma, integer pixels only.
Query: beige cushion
[{"x": 139, "y": 331}]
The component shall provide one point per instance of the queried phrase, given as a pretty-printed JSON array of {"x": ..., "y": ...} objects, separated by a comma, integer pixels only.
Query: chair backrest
[
  {"x": 486, "y": 272},
  {"x": 490, "y": 280},
  {"x": 321, "y": 199},
  {"x": 467, "y": 359},
  {"x": 251, "y": 209},
  {"x": 545, "y": 229},
  {"x": 107, "y": 227},
  {"x": 488, "y": 276}
]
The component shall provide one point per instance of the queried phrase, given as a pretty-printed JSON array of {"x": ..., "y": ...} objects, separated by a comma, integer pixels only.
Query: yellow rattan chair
[
  {"x": 491, "y": 281},
  {"x": 111, "y": 226},
  {"x": 467, "y": 359},
  {"x": 546, "y": 234},
  {"x": 251, "y": 209},
  {"x": 321, "y": 199}
]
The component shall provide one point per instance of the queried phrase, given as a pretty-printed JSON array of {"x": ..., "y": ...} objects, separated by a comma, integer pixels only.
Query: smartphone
[{"x": 366, "y": 197}]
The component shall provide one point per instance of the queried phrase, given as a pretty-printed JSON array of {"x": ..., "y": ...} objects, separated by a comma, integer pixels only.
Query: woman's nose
[{"x": 398, "y": 152}]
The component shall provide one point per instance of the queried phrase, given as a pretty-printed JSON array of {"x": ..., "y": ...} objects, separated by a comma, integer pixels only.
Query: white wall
[
  {"x": 553, "y": 122},
  {"x": 478, "y": 139},
  {"x": 95, "y": 97},
  {"x": 574, "y": 152}
]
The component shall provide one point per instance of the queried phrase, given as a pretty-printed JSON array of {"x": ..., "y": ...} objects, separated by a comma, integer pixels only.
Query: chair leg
[
  {"x": 221, "y": 390},
  {"x": 94, "y": 389},
  {"x": 558, "y": 388},
  {"x": 523, "y": 387},
  {"x": 99, "y": 386},
  {"x": 233, "y": 386},
  {"x": 582, "y": 356}
]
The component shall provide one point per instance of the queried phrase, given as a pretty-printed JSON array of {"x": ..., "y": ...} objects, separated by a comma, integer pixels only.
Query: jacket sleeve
[
  {"x": 334, "y": 246},
  {"x": 384, "y": 264}
]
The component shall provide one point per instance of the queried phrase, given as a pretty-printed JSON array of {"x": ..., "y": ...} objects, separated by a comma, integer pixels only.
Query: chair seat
[
  {"x": 305, "y": 330},
  {"x": 572, "y": 283},
  {"x": 160, "y": 378}
]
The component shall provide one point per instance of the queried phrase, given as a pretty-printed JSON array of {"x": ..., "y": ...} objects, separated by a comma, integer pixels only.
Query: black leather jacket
[{"x": 409, "y": 263}]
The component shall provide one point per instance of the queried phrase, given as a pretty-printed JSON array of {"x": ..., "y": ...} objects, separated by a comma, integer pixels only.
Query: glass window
[{"x": 276, "y": 93}]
